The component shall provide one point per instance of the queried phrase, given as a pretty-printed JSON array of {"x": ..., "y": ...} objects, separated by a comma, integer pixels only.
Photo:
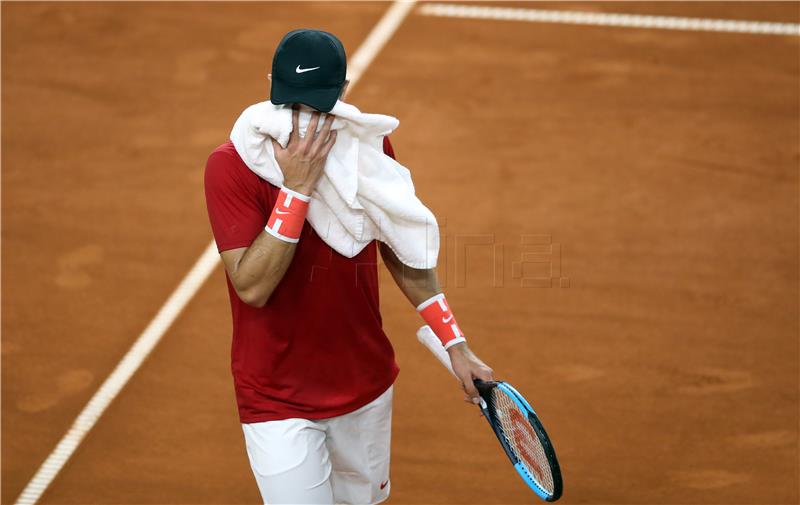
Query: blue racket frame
[{"x": 485, "y": 390}]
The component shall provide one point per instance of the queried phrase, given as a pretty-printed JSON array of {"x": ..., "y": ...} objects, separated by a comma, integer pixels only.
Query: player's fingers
[
  {"x": 311, "y": 130},
  {"x": 326, "y": 129},
  {"x": 321, "y": 138},
  {"x": 484, "y": 373},
  {"x": 276, "y": 148},
  {"x": 326, "y": 148},
  {"x": 295, "y": 135},
  {"x": 470, "y": 389}
]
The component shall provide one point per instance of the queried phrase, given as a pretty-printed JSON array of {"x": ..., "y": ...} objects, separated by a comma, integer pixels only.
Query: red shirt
[{"x": 317, "y": 348}]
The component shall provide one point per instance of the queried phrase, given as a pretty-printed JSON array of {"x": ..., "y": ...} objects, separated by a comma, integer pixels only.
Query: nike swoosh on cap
[{"x": 301, "y": 70}]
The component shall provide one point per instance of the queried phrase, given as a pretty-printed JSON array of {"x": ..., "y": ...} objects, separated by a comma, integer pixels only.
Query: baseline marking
[
  {"x": 607, "y": 19},
  {"x": 178, "y": 300}
]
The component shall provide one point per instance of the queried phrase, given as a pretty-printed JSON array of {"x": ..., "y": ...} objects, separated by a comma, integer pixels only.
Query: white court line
[
  {"x": 121, "y": 375},
  {"x": 376, "y": 39},
  {"x": 185, "y": 291},
  {"x": 606, "y": 19}
]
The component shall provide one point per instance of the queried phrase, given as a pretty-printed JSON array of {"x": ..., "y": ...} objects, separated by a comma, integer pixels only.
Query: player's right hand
[
  {"x": 303, "y": 159},
  {"x": 467, "y": 367}
]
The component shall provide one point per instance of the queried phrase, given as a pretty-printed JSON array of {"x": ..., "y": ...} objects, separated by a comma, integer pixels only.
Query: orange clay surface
[{"x": 647, "y": 178}]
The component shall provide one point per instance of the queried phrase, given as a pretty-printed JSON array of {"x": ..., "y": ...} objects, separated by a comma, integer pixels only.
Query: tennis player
[{"x": 313, "y": 369}]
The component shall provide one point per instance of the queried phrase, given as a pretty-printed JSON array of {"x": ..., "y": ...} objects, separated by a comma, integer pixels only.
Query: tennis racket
[{"x": 516, "y": 426}]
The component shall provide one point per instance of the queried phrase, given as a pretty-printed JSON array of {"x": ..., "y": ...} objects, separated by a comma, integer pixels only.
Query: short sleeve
[
  {"x": 232, "y": 199},
  {"x": 388, "y": 150}
]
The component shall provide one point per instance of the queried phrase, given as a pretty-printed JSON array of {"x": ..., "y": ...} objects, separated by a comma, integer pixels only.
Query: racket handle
[{"x": 431, "y": 341}]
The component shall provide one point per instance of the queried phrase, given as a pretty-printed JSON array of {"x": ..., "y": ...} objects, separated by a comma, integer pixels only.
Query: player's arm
[
  {"x": 421, "y": 286},
  {"x": 255, "y": 271}
]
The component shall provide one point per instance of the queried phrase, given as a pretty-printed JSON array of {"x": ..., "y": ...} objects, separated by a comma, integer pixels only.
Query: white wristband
[{"x": 453, "y": 342}]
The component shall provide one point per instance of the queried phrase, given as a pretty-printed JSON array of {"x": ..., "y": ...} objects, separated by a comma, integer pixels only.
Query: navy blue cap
[{"x": 309, "y": 67}]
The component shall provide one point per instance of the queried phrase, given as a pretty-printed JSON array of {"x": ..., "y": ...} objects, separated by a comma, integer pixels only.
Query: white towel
[{"x": 363, "y": 194}]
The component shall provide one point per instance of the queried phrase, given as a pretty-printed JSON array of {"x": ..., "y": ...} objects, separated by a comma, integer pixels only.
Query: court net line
[
  {"x": 608, "y": 19},
  {"x": 183, "y": 294}
]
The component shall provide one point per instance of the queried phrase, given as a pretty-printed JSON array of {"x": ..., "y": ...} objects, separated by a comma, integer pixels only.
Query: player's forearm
[
  {"x": 421, "y": 287},
  {"x": 416, "y": 284},
  {"x": 261, "y": 268}
]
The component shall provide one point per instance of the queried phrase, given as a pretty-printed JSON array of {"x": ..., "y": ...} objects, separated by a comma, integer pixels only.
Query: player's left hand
[{"x": 468, "y": 367}]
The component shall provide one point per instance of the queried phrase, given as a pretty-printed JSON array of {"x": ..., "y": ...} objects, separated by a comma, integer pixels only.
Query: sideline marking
[
  {"x": 607, "y": 19},
  {"x": 129, "y": 364},
  {"x": 178, "y": 300},
  {"x": 376, "y": 39}
]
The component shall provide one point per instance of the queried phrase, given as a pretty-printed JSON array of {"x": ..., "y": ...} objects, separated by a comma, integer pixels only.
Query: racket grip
[{"x": 429, "y": 339}]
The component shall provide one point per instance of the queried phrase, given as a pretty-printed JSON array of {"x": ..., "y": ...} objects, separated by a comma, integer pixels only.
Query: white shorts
[{"x": 342, "y": 459}]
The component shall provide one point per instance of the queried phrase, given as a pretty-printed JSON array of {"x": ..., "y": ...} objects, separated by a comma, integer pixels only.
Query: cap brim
[{"x": 322, "y": 99}]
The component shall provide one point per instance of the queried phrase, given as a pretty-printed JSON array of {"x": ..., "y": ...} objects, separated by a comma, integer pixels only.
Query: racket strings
[{"x": 523, "y": 439}]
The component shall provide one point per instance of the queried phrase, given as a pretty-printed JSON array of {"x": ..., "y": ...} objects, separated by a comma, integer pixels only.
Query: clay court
[{"x": 621, "y": 212}]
